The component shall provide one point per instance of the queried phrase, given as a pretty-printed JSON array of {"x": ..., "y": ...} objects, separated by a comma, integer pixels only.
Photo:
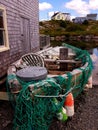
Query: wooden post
[
  {"x": 63, "y": 53},
  {"x": 63, "y": 56}
]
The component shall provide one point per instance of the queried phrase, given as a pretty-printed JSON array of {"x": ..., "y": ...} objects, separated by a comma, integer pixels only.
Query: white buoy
[{"x": 90, "y": 82}]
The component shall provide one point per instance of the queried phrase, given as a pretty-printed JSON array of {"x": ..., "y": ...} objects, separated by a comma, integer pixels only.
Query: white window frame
[{"x": 6, "y": 42}]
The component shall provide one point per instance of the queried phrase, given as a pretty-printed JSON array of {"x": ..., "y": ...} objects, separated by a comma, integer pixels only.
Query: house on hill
[
  {"x": 91, "y": 16},
  {"x": 61, "y": 16},
  {"x": 82, "y": 19},
  {"x": 79, "y": 19},
  {"x": 19, "y": 31}
]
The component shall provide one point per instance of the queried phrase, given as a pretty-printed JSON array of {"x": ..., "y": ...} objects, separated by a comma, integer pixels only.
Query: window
[
  {"x": 58, "y": 17},
  {"x": 3, "y": 30}
]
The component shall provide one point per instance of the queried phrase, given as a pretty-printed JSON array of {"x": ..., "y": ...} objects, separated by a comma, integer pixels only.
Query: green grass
[{"x": 59, "y": 27}]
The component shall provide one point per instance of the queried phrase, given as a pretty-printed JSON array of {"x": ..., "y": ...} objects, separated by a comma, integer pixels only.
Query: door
[{"x": 25, "y": 35}]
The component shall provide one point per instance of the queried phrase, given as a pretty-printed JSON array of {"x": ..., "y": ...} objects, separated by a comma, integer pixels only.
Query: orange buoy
[{"x": 69, "y": 105}]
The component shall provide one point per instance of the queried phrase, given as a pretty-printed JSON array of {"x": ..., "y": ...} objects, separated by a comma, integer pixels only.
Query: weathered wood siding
[{"x": 15, "y": 10}]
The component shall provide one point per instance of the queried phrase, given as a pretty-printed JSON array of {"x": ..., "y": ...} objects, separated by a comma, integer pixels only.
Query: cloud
[
  {"x": 93, "y": 4},
  {"x": 50, "y": 13},
  {"x": 44, "y": 6},
  {"x": 72, "y": 17},
  {"x": 82, "y": 7}
]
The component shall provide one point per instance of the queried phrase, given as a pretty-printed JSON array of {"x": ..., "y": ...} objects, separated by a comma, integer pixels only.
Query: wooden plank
[
  {"x": 68, "y": 61},
  {"x": 56, "y": 72},
  {"x": 4, "y": 96},
  {"x": 49, "y": 60},
  {"x": 62, "y": 61},
  {"x": 43, "y": 51}
]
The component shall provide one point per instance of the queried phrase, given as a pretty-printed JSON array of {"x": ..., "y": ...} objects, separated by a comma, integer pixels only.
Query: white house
[
  {"x": 61, "y": 16},
  {"x": 91, "y": 16},
  {"x": 79, "y": 19},
  {"x": 82, "y": 19}
]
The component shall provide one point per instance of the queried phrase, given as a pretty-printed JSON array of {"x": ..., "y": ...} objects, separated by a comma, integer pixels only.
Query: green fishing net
[{"x": 35, "y": 108}]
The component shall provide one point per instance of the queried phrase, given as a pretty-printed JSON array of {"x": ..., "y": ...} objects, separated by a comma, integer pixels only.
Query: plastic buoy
[
  {"x": 90, "y": 82},
  {"x": 69, "y": 105},
  {"x": 61, "y": 114}
]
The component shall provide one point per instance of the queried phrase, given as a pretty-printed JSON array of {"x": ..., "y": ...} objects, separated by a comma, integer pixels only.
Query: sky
[{"x": 76, "y": 8}]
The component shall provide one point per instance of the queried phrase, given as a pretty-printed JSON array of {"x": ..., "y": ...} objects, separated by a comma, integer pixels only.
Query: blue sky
[{"x": 76, "y": 8}]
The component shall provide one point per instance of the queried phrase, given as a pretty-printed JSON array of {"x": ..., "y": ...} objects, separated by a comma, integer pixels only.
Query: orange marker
[{"x": 69, "y": 105}]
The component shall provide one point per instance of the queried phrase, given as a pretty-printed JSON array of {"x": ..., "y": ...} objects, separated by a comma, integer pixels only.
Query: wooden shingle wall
[{"x": 16, "y": 9}]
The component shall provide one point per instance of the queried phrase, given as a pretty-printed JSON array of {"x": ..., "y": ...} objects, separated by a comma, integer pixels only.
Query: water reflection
[
  {"x": 94, "y": 56},
  {"x": 95, "y": 51}
]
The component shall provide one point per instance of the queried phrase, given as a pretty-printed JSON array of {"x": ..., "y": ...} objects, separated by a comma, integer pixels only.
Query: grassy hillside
[{"x": 59, "y": 27}]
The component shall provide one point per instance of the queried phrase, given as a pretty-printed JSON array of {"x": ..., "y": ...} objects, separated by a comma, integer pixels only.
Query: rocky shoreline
[{"x": 85, "y": 38}]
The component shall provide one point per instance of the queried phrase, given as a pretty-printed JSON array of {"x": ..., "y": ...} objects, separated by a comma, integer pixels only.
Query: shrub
[
  {"x": 75, "y": 27},
  {"x": 85, "y": 22}
]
